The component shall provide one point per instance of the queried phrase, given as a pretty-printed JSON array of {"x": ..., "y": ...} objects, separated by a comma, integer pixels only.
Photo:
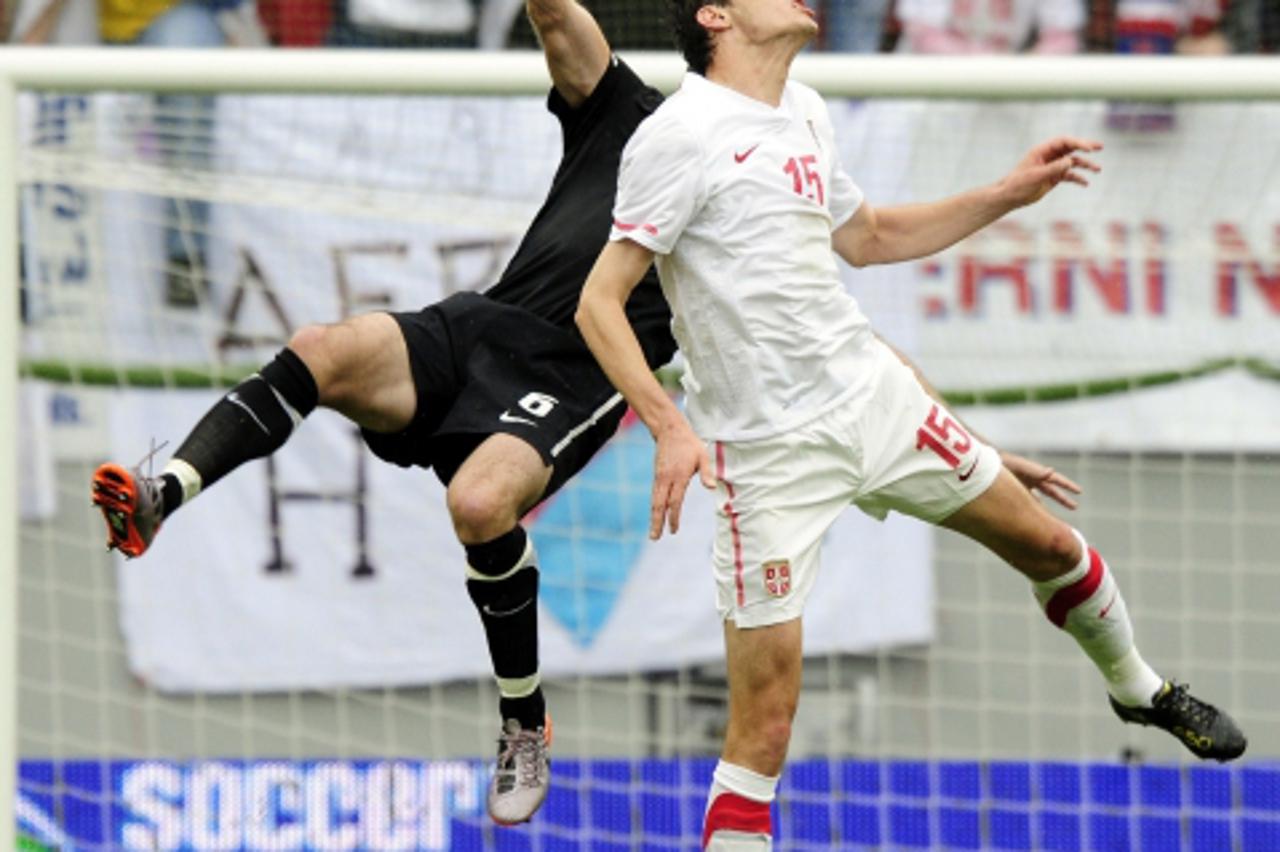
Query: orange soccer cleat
[{"x": 131, "y": 505}]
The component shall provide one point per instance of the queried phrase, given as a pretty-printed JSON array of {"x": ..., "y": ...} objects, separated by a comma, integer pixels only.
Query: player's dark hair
[{"x": 692, "y": 38}]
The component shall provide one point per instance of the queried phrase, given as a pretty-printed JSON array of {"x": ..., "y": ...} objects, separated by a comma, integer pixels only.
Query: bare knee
[
  {"x": 480, "y": 511},
  {"x": 759, "y": 738},
  {"x": 336, "y": 356},
  {"x": 313, "y": 345},
  {"x": 1058, "y": 552}
]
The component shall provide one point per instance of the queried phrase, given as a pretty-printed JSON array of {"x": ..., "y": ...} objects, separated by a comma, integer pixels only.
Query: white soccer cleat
[{"x": 523, "y": 776}]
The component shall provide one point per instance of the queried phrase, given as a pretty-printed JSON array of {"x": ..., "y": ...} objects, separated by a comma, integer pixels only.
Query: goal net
[{"x": 295, "y": 664}]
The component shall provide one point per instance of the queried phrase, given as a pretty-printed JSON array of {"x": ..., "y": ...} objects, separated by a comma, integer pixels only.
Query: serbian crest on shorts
[{"x": 777, "y": 577}]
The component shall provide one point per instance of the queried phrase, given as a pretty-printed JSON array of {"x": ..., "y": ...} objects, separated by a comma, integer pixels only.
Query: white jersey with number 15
[{"x": 738, "y": 200}]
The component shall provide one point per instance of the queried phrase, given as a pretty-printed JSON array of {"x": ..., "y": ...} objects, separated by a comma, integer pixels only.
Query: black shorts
[{"x": 481, "y": 368}]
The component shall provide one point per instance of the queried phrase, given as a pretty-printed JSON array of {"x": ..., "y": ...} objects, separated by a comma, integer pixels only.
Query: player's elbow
[
  {"x": 547, "y": 15},
  {"x": 593, "y": 316},
  {"x": 586, "y": 315},
  {"x": 857, "y": 260},
  {"x": 857, "y": 240},
  {"x": 855, "y": 252}
]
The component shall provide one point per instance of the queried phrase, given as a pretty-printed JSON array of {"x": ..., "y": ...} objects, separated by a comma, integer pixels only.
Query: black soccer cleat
[{"x": 1204, "y": 729}]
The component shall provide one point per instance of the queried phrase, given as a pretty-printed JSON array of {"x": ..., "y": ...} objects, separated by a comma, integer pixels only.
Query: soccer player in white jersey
[{"x": 796, "y": 408}]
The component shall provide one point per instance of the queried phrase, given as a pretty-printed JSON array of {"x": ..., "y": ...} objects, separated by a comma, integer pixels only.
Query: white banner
[
  {"x": 203, "y": 610},
  {"x": 1169, "y": 259},
  {"x": 325, "y": 207}
]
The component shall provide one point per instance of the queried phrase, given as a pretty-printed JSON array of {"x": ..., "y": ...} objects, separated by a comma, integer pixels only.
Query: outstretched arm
[
  {"x": 603, "y": 321},
  {"x": 909, "y": 231},
  {"x": 1032, "y": 474},
  {"x": 576, "y": 50}
]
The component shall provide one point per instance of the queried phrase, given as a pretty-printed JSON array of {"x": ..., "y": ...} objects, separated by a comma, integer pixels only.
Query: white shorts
[{"x": 891, "y": 447}]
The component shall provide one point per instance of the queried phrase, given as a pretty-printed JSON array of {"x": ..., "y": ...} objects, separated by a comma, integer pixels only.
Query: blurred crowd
[{"x": 1200, "y": 27}]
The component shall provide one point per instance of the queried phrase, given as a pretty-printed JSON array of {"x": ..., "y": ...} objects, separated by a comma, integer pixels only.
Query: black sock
[
  {"x": 170, "y": 493},
  {"x": 246, "y": 424},
  {"x": 508, "y": 609}
]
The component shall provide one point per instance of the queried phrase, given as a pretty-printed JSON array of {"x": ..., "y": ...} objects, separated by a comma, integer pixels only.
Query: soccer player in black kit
[{"x": 495, "y": 391}]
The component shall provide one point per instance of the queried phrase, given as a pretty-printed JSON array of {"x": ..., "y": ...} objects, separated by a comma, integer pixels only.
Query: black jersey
[{"x": 546, "y": 275}]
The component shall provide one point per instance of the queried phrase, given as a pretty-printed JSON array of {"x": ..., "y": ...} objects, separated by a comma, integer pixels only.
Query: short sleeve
[
  {"x": 660, "y": 184},
  {"x": 846, "y": 196},
  {"x": 619, "y": 97}
]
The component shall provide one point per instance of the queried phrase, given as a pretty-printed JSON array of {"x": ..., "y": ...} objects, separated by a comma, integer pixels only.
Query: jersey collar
[{"x": 700, "y": 86}]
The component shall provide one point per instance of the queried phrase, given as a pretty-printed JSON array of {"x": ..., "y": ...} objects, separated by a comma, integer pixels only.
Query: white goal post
[
  {"x": 476, "y": 73},
  {"x": 470, "y": 72}
]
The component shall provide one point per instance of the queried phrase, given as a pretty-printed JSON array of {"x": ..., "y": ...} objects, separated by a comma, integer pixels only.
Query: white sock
[
  {"x": 752, "y": 792},
  {"x": 747, "y": 783},
  {"x": 1086, "y": 602},
  {"x": 188, "y": 477}
]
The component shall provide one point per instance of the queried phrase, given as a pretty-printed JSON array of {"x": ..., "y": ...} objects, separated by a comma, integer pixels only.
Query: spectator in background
[
  {"x": 990, "y": 26},
  {"x": 53, "y": 22},
  {"x": 1189, "y": 27},
  {"x": 296, "y": 23},
  {"x": 404, "y": 23},
  {"x": 1154, "y": 27},
  {"x": 631, "y": 25},
  {"x": 851, "y": 26},
  {"x": 183, "y": 123},
  {"x": 1267, "y": 26},
  {"x": 424, "y": 23}
]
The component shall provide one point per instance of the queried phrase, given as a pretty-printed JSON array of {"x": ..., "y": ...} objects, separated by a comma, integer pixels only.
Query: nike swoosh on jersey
[
  {"x": 508, "y": 417},
  {"x": 964, "y": 477},
  {"x": 742, "y": 158}
]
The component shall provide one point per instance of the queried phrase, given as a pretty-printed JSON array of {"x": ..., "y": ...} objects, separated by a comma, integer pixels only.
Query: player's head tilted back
[{"x": 702, "y": 28}]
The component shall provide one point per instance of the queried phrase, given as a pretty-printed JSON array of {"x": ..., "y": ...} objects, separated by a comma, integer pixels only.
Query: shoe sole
[{"x": 116, "y": 493}]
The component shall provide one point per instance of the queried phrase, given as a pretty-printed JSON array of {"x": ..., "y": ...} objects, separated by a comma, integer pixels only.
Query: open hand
[
  {"x": 1047, "y": 165},
  {"x": 678, "y": 456},
  {"x": 1046, "y": 480}
]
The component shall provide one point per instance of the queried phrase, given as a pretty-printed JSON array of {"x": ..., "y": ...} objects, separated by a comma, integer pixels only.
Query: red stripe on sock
[
  {"x": 732, "y": 812},
  {"x": 1066, "y": 599}
]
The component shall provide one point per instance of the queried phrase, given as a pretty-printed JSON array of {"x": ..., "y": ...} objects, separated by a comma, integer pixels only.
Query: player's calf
[
  {"x": 253, "y": 420},
  {"x": 502, "y": 580},
  {"x": 1086, "y": 602}
]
